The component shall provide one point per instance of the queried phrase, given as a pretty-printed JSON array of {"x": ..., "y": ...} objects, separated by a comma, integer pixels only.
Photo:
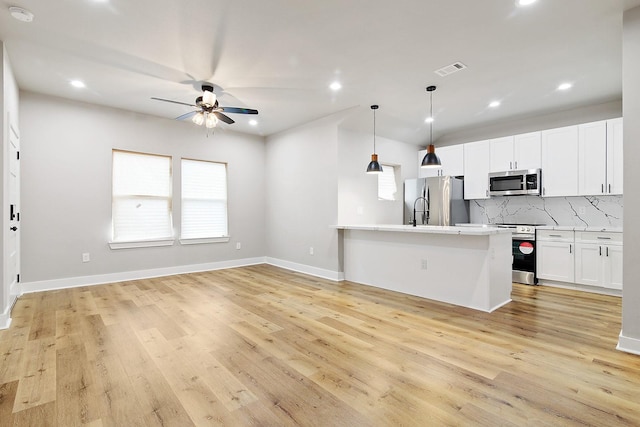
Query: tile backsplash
[{"x": 589, "y": 211}]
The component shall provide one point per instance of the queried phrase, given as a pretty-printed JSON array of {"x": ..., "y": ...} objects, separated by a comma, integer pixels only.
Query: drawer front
[
  {"x": 603, "y": 238},
  {"x": 555, "y": 235}
]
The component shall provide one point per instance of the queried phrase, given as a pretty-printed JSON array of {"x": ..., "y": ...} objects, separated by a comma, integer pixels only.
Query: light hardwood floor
[{"x": 267, "y": 347}]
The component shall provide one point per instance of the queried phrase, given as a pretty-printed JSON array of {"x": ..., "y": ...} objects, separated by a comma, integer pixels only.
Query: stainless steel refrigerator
[{"x": 437, "y": 200}]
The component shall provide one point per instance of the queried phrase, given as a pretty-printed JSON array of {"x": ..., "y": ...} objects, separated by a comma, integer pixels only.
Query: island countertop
[{"x": 473, "y": 230}]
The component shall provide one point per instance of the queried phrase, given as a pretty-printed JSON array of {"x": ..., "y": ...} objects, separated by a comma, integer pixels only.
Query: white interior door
[{"x": 13, "y": 261}]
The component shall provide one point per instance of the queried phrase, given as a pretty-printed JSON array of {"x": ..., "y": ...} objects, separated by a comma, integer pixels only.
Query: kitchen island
[{"x": 465, "y": 266}]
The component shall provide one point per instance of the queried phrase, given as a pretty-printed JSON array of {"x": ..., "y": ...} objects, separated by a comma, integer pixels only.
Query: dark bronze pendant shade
[
  {"x": 430, "y": 160},
  {"x": 374, "y": 166}
]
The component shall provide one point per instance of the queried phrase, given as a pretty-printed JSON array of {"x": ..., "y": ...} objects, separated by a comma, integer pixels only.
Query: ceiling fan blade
[
  {"x": 224, "y": 118},
  {"x": 239, "y": 110},
  {"x": 173, "y": 102},
  {"x": 186, "y": 115}
]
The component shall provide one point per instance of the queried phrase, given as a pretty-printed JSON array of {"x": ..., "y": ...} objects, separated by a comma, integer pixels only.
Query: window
[
  {"x": 204, "y": 200},
  {"x": 387, "y": 187},
  {"x": 141, "y": 197}
]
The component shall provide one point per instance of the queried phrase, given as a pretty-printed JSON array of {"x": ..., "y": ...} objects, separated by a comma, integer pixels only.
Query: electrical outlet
[
  {"x": 582, "y": 210},
  {"x": 311, "y": 250},
  {"x": 238, "y": 245},
  {"x": 86, "y": 257},
  {"x": 423, "y": 264}
]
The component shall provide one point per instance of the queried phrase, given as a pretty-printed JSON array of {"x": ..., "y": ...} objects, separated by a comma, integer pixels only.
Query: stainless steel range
[{"x": 523, "y": 252}]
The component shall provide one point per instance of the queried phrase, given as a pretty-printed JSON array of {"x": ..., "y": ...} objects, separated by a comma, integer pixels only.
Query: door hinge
[{"x": 18, "y": 278}]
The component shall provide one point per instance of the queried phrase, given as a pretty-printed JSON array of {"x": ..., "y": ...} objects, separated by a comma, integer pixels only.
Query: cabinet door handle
[
  {"x": 516, "y": 164},
  {"x": 607, "y": 250},
  {"x": 602, "y": 188},
  {"x": 570, "y": 248},
  {"x": 603, "y": 238},
  {"x": 609, "y": 188},
  {"x": 510, "y": 165},
  {"x": 555, "y": 235},
  {"x": 486, "y": 193},
  {"x": 600, "y": 250}
]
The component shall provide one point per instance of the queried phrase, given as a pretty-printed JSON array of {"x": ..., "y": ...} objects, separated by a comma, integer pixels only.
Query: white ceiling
[{"x": 280, "y": 56}]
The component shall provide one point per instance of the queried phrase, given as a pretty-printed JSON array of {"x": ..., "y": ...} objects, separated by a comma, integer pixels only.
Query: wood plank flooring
[{"x": 262, "y": 346}]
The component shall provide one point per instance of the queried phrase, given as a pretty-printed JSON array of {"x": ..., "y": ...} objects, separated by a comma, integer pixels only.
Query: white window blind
[
  {"x": 204, "y": 199},
  {"x": 387, "y": 187},
  {"x": 141, "y": 196}
]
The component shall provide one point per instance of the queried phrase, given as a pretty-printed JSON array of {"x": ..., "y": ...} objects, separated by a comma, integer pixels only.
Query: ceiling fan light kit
[
  {"x": 211, "y": 121},
  {"x": 208, "y": 111},
  {"x": 430, "y": 159},
  {"x": 198, "y": 118},
  {"x": 374, "y": 167}
]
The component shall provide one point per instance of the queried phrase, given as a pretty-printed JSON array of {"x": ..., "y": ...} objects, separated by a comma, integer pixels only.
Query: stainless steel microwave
[{"x": 515, "y": 183}]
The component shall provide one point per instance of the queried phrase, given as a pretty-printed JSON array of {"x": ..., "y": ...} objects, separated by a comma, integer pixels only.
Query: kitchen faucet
[{"x": 425, "y": 211}]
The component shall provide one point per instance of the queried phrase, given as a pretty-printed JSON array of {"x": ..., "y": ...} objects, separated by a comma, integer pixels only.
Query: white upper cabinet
[
  {"x": 600, "y": 158},
  {"x": 501, "y": 150},
  {"x": 560, "y": 161},
  {"x": 515, "y": 152},
  {"x": 452, "y": 160},
  {"x": 477, "y": 163},
  {"x": 527, "y": 151},
  {"x": 592, "y": 164},
  {"x": 614, "y": 156}
]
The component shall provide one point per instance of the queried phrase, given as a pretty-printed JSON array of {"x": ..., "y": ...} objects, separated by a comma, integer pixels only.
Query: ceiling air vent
[{"x": 450, "y": 69}]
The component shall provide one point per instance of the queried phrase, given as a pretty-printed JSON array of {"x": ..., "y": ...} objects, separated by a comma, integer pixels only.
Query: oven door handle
[{"x": 527, "y": 238}]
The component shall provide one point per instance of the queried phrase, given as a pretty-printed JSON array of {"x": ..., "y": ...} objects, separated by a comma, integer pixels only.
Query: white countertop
[
  {"x": 467, "y": 230},
  {"x": 580, "y": 228}
]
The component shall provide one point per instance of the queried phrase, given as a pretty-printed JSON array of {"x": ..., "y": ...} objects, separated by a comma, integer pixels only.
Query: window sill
[
  {"x": 202, "y": 240},
  {"x": 141, "y": 243}
]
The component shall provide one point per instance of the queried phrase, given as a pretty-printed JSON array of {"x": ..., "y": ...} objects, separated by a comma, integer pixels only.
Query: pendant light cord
[
  {"x": 374, "y": 130},
  {"x": 431, "y": 122}
]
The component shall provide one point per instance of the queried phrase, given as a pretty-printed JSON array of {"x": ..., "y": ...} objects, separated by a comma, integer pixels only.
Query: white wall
[
  {"x": 302, "y": 203},
  {"x": 357, "y": 191},
  {"x": 9, "y": 96},
  {"x": 630, "y": 334},
  {"x": 66, "y": 181}
]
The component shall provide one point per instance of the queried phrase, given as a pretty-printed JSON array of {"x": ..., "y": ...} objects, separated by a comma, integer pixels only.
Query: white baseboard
[
  {"x": 336, "y": 276},
  {"x": 100, "y": 279},
  {"x": 579, "y": 287},
  {"x": 630, "y": 345},
  {"x": 5, "y": 318}
]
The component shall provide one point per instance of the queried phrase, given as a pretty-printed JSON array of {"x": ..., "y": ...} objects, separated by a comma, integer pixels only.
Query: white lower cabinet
[
  {"x": 555, "y": 255},
  {"x": 584, "y": 257},
  {"x": 599, "y": 259}
]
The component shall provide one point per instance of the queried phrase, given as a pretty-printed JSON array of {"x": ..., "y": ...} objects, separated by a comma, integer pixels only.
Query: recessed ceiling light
[
  {"x": 525, "y": 2},
  {"x": 565, "y": 86},
  {"x": 494, "y": 104},
  {"x": 253, "y": 122},
  {"x": 77, "y": 83},
  {"x": 428, "y": 120},
  {"x": 21, "y": 14},
  {"x": 335, "y": 86}
]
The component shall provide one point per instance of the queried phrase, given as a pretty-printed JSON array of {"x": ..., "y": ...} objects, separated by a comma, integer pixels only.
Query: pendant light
[
  {"x": 374, "y": 166},
  {"x": 430, "y": 160}
]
